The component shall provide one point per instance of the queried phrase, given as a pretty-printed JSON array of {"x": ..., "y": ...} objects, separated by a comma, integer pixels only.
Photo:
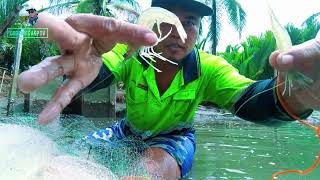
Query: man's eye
[{"x": 188, "y": 23}]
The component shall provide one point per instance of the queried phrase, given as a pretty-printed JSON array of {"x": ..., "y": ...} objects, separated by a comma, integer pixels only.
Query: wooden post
[
  {"x": 4, "y": 73},
  {"x": 27, "y": 103},
  {"x": 13, "y": 89},
  {"x": 100, "y": 104},
  {"x": 112, "y": 101}
]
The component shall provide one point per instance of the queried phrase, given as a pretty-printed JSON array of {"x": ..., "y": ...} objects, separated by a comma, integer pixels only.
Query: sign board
[{"x": 27, "y": 32}]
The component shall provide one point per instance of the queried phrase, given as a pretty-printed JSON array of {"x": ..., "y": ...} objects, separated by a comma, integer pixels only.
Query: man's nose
[
  {"x": 174, "y": 32},
  {"x": 165, "y": 29}
]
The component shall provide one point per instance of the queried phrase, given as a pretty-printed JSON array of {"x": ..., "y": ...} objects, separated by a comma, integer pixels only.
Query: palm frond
[
  {"x": 127, "y": 7},
  {"x": 58, "y": 8},
  {"x": 313, "y": 18},
  {"x": 88, "y": 6},
  {"x": 133, "y": 3},
  {"x": 128, "y": 10},
  {"x": 236, "y": 14}
]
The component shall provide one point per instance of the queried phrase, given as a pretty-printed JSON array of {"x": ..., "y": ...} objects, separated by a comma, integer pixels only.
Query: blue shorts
[{"x": 179, "y": 144}]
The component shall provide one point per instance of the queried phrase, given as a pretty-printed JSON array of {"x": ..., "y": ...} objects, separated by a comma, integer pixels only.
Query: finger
[
  {"x": 61, "y": 99},
  {"x": 272, "y": 58},
  {"x": 99, "y": 27},
  {"x": 306, "y": 57},
  {"x": 45, "y": 71},
  {"x": 280, "y": 61},
  {"x": 59, "y": 31}
]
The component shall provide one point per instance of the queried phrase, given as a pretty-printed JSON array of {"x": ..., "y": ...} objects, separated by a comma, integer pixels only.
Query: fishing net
[{"x": 58, "y": 151}]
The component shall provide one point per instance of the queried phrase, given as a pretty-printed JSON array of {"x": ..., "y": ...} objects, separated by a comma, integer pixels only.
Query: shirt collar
[{"x": 190, "y": 66}]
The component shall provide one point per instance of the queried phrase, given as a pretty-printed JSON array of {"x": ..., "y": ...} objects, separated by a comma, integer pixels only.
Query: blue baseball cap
[{"x": 197, "y": 6}]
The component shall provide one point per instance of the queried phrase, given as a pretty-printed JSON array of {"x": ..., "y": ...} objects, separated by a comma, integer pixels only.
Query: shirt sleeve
[
  {"x": 112, "y": 69},
  {"x": 259, "y": 103},
  {"x": 114, "y": 61},
  {"x": 223, "y": 83}
]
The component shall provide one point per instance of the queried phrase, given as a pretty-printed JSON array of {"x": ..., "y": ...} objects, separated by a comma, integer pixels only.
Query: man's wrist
[{"x": 289, "y": 102}]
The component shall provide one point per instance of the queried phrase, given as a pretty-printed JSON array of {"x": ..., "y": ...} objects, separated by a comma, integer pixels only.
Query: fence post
[
  {"x": 13, "y": 89},
  {"x": 4, "y": 73}
]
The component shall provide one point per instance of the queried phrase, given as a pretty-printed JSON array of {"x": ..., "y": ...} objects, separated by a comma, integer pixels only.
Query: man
[
  {"x": 161, "y": 105},
  {"x": 33, "y": 15}
]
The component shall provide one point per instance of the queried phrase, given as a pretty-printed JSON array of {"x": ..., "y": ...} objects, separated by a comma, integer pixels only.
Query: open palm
[{"x": 82, "y": 39}]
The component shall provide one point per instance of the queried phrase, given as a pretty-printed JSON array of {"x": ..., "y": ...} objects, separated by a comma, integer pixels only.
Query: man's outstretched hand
[
  {"x": 82, "y": 40},
  {"x": 305, "y": 59}
]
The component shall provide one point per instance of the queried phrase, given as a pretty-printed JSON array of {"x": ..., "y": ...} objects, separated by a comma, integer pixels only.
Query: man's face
[
  {"x": 172, "y": 47},
  {"x": 32, "y": 13}
]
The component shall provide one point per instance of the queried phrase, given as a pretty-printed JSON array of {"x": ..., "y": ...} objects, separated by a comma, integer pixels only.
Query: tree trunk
[
  {"x": 10, "y": 20},
  {"x": 213, "y": 28}
]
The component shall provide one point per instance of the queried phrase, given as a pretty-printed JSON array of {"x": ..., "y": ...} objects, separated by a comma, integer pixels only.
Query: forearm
[
  {"x": 289, "y": 101},
  {"x": 259, "y": 103}
]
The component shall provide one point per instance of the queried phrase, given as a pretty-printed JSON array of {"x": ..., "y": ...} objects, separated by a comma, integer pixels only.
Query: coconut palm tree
[
  {"x": 129, "y": 9},
  {"x": 309, "y": 29},
  {"x": 236, "y": 16},
  {"x": 313, "y": 18},
  {"x": 97, "y": 7}
]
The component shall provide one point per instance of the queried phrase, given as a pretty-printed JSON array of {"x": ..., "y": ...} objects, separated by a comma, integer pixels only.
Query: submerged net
[{"x": 31, "y": 151}]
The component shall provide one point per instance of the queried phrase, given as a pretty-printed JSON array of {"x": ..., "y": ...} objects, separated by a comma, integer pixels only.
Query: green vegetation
[
  {"x": 251, "y": 57},
  {"x": 9, "y": 12},
  {"x": 308, "y": 31},
  {"x": 35, "y": 50}
]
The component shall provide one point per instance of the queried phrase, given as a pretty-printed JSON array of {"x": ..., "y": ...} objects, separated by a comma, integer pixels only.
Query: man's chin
[{"x": 176, "y": 59}]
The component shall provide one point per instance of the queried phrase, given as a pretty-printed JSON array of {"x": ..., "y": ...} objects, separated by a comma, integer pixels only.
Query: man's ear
[{"x": 200, "y": 32}]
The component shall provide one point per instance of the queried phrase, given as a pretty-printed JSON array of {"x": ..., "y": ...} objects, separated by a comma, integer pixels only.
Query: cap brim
[
  {"x": 30, "y": 9},
  {"x": 193, "y": 6}
]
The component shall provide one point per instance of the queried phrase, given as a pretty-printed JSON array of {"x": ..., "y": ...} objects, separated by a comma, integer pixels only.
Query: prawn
[
  {"x": 155, "y": 16},
  {"x": 284, "y": 43}
]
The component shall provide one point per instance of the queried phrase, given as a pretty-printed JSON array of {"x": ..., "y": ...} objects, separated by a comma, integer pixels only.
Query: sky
[{"x": 287, "y": 11}]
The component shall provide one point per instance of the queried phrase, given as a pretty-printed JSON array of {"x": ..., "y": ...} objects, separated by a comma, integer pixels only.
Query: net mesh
[{"x": 58, "y": 151}]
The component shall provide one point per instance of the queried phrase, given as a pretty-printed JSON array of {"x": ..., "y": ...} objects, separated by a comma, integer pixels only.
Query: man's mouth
[{"x": 174, "y": 46}]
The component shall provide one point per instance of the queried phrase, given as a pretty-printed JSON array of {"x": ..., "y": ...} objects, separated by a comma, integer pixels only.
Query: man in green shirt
[{"x": 161, "y": 105}]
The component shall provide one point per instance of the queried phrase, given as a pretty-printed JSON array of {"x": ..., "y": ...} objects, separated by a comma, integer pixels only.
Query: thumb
[
  {"x": 302, "y": 57},
  {"x": 281, "y": 61}
]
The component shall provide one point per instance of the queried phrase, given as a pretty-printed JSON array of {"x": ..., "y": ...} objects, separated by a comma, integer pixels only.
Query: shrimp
[
  {"x": 283, "y": 44},
  {"x": 155, "y": 16}
]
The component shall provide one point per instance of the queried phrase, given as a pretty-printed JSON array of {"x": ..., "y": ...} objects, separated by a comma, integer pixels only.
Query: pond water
[
  {"x": 227, "y": 148},
  {"x": 235, "y": 149}
]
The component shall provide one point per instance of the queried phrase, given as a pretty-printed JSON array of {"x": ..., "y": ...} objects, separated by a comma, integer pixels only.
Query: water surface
[{"x": 227, "y": 148}]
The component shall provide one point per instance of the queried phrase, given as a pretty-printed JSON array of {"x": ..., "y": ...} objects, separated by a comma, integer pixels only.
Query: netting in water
[{"x": 57, "y": 151}]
